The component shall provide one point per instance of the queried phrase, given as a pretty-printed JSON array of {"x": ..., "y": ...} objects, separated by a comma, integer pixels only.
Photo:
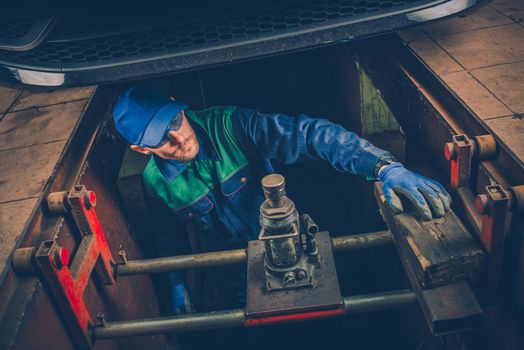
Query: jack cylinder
[{"x": 279, "y": 223}]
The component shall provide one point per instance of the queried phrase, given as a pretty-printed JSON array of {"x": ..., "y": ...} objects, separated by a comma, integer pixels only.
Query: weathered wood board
[
  {"x": 444, "y": 295},
  {"x": 441, "y": 251}
]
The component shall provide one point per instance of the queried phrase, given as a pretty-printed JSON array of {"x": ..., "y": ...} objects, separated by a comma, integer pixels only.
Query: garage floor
[{"x": 480, "y": 57}]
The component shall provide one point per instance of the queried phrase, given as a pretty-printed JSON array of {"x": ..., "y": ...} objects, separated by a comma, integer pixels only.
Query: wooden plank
[
  {"x": 441, "y": 251},
  {"x": 40, "y": 125},
  {"x": 448, "y": 308}
]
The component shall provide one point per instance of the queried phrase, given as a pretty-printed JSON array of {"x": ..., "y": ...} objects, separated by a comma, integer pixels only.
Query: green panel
[{"x": 376, "y": 116}]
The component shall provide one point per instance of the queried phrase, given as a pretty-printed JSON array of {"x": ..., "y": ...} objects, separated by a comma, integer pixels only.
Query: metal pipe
[
  {"x": 185, "y": 323},
  {"x": 237, "y": 318},
  {"x": 379, "y": 301},
  {"x": 361, "y": 241},
  {"x": 231, "y": 257},
  {"x": 181, "y": 262}
]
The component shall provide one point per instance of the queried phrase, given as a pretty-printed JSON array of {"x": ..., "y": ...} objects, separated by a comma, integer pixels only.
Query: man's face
[{"x": 181, "y": 145}]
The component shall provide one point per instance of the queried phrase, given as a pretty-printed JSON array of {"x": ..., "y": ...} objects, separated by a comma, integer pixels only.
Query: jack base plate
[{"x": 324, "y": 294}]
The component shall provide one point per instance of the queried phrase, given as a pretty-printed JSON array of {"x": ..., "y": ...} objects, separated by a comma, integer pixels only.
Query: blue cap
[{"x": 143, "y": 115}]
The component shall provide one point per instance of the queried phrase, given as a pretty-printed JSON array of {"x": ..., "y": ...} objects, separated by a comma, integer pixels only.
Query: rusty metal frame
[
  {"x": 16, "y": 291},
  {"x": 236, "y": 256},
  {"x": 237, "y": 318},
  {"x": 68, "y": 281}
]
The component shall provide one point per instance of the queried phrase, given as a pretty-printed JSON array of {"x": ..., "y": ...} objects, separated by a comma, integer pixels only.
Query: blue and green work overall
[{"x": 219, "y": 191}]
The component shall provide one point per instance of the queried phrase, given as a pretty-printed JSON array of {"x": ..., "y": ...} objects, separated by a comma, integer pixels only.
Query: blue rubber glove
[
  {"x": 180, "y": 301},
  {"x": 426, "y": 194}
]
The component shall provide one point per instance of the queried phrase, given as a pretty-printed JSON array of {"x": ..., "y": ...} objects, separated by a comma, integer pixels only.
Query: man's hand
[
  {"x": 180, "y": 301},
  {"x": 419, "y": 189}
]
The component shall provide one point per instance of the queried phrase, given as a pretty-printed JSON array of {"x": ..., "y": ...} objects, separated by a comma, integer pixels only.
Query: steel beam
[
  {"x": 237, "y": 317},
  {"x": 237, "y": 256}
]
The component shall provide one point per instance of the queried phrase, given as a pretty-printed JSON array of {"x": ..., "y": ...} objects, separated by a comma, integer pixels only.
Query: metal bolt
[
  {"x": 486, "y": 146},
  {"x": 289, "y": 277},
  {"x": 61, "y": 257},
  {"x": 123, "y": 255},
  {"x": 450, "y": 151},
  {"x": 517, "y": 195},
  {"x": 56, "y": 202},
  {"x": 23, "y": 260},
  {"x": 301, "y": 274},
  {"x": 101, "y": 318},
  {"x": 89, "y": 198},
  {"x": 482, "y": 204}
]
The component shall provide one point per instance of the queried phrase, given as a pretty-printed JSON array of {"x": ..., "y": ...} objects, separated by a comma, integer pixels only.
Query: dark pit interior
[{"x": 313, "y": 83}]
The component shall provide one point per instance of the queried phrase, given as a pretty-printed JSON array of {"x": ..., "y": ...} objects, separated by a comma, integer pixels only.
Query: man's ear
[{"x": 139, "y": 149}]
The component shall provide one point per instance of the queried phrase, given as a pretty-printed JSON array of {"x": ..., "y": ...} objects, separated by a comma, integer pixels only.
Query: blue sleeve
[
  {"x": 169, "y": 233},
  {"x": 289, "y": 140}
]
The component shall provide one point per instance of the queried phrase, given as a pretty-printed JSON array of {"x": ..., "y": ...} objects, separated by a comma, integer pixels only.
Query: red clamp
[
  {"x": 461, "y": 150},
  {"x": 68, "y": 281},
  {"x": 496, "y": 207},
  {"x": 460, "y": 153}
]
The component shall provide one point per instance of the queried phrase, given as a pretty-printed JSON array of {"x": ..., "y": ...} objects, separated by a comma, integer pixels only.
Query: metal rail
[
  {"x": 237, "y": 318},
  {"x": 230, "y": 257},
  {"x": 362, "y": 241}
]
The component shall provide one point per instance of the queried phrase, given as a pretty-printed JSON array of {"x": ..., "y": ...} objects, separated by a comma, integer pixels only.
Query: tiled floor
[
  {"x": 480, "y": 57},
  {"x": 34, "y": 128}
]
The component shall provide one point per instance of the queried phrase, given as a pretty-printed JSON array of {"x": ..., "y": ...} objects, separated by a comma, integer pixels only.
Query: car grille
[
  {"x": 102, "y": 42},
  {"x": 14, "y": 28}
]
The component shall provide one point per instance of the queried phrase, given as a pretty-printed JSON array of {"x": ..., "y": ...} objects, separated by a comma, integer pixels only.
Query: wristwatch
[{"x": 385, "y": 159}]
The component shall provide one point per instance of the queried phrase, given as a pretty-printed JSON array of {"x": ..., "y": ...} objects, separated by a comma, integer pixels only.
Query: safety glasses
[{"x": 174, "y": 125}]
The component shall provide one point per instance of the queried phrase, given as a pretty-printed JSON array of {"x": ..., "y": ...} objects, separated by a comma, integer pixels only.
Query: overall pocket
[{"x": 236, "y": 182}]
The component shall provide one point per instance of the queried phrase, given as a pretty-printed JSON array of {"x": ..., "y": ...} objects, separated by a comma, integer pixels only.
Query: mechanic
[{"x": 206, "y": 168}]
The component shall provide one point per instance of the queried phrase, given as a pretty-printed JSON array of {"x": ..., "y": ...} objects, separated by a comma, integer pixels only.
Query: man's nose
[{"x": 176, "y": 137}]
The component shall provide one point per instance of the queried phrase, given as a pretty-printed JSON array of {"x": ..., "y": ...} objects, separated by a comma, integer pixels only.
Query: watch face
[{"x": 386, "y": 159}]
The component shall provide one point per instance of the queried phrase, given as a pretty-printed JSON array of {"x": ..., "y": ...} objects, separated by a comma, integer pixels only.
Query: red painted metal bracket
[
  {"x": 460, "y": 153},
  {"x": 462, "y": 150},
  {"x": 495, "y": 208},
  {"x": 68, "y": 281}
]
